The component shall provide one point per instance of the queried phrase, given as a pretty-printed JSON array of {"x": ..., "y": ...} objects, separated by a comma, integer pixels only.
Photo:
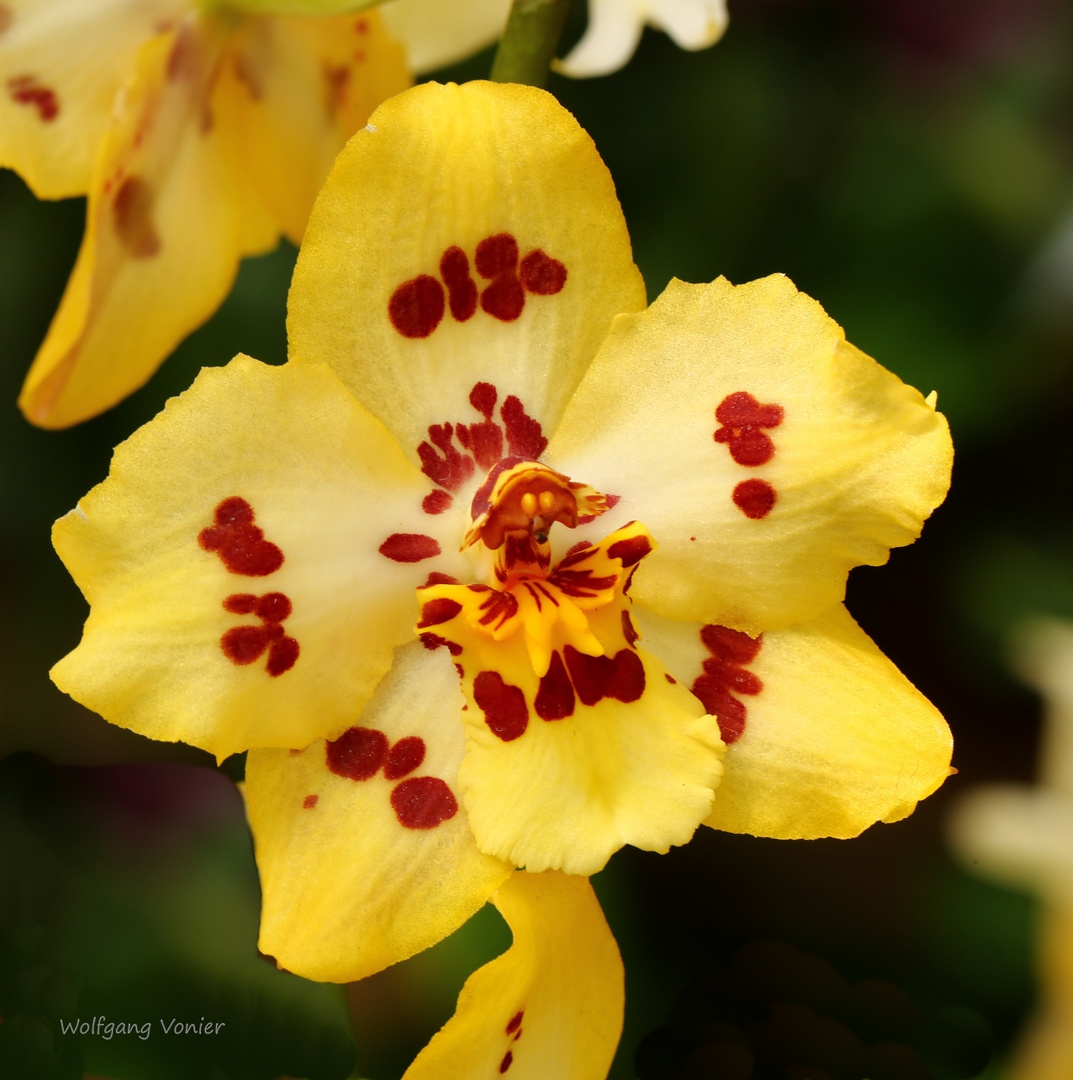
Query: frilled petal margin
[
  {"x": 364, "y": 849},
  {"x": 766, "y": 454},
  {"x": 826, "y": 735},
  {"x": 233, "y": 563},
  {"x": 551, "y": 1006}
]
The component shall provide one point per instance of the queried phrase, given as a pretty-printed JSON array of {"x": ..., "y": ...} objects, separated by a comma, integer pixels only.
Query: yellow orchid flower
[
  {"x": 615, "y": 27},
  {"x": 490, "y": 575},
  {"x": 199, "y": 133}
]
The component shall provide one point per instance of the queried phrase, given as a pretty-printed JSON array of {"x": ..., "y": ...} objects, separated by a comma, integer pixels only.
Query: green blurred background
[{"x": 908, "y": 164}]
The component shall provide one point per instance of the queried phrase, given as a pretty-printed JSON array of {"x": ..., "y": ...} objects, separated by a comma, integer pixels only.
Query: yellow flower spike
[
  {"x": 551, "y": 1006},
  {"x": 365, "y": 853},
  {"x": 221, "y": 133}
]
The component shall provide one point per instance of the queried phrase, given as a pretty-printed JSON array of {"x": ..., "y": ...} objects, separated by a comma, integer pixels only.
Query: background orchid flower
[
  {"x": 629, "y": 539},
  {"x": 1024, "y": 836},
  {"x": 615, "y": 28},
  {"x": 198, "y": 134}
]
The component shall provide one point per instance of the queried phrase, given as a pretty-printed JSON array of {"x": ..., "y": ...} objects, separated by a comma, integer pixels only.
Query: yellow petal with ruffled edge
[
  {"x": 235, "y": 564},
  {"x": 826, "y": 735},
  {"x": 549, "y": 1007},
  {"x": 469, "y": 235},
  {"x": 169, "y": 216},
  {"x": 615, "y": 26},
  {"x": 577, "y": 741},
  {"x": 437, "y": 34},
  {"x": 57, "y": 90},
  {"x": 766, "y": 454},
  {"x": 365, "y": 853},
  {"x": 292, "y": 91}
]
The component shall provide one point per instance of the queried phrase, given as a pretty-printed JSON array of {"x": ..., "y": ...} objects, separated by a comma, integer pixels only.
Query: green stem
[{"x": 528, "y": 45}]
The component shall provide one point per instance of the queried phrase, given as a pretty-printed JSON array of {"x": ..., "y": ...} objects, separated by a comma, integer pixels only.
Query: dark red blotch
[
  {"x": 724, "y": 672},
  {"x": 503, "y": 705},
  {"x": 743, "y": 417},
  {"x": 239, "y": 542},
  {"x": 754, "y": 498}
]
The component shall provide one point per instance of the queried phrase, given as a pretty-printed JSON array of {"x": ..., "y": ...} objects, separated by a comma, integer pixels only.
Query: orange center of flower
[{"x": 512, "y": 513}]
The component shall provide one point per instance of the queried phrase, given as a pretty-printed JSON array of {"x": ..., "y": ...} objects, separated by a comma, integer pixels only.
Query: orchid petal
[
  {"x": 551, "y": 1006},
  {"x": 239, "y": 563},
  {"x": 365, "y": 855}
]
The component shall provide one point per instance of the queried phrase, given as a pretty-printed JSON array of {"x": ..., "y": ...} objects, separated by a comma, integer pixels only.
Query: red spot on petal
[
  {"x": 483, "y": 398},
  {"x": 310, "y": 801},
  {"x": 742, "y": 417},
  {"x": 722, "y": 673},
  {"x": 434, "y": 641},
  {"x": 503, "y": 705},
  {"x": 239, "y": 542},
  {"x": 436, "y": 578},
  {"x": 670, "y": 678},
  {"x": 358, "y": 753},
  {"x": 361, "y": 26},
  {"x": 245, "y": 644},
  {"x": 409, "y": 547},
  {"x": 273, "y": 607},
  {"x": 525, "y": 437},
  {"x": 754, "y": 498},
  {"x": 555, "y": 696},
  {"x": 595, "y": 677},
  {"x": 441, "y": 461},
  {"x": 423, "y": 802},
  {"x": 26, "y": 90},
  {"x": 436, "y": 502},
  {"x": 515, "y": 1022},
  {"x": 498, "y": 608},
  {"x": 132, "y": 215},
  {"x": 541, "y": 274},
  {"x": 416, "y": 306},
  {"x": 629, "y": 631},
  {"x": 505, "y": 1064},
  {"x": 730, "y": 646},
  {"x": 282, "y": 656},
  {"x": 405, "y": 756},
  {"x": 440, "y": 610},
  {"x": 504, "y": 298},
  {"x": 631, "y": 550},
  {"x": 497, "y": 255},
  {"x": 241, "y": 603},
  {"x": 484, "y": 441},
  {"x": 6, "y": 18},
  {"x": 461, "y": 288}
]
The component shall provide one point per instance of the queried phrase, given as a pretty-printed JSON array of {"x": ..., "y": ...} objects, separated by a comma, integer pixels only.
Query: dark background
[{"x": 908, "y": 164}]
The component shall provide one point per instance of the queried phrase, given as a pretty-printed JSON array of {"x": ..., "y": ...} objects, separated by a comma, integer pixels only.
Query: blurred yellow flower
[
  {"x": 199, "y": 135},
  {"x": 1024, "y": 836},
  {"x": 460, "y": 387}
]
